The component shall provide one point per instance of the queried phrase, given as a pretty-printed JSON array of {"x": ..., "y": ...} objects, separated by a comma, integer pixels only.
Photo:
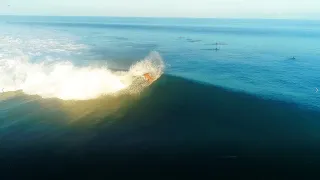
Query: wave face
[
  {"x": 66, "y": 81},
  {"x": 173, "y": 115}
]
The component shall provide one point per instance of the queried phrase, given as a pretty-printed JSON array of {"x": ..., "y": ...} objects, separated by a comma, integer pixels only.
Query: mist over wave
[
  {"x": 66, "y": 81},
  {"x": 20, "y": 44}
]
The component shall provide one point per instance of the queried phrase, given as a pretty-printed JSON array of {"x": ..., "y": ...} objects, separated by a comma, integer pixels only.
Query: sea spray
[{"x": 66, "y": 81}]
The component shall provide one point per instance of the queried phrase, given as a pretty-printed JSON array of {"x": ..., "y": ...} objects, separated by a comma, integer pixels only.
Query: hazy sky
[{"x": 166, "y": 8}]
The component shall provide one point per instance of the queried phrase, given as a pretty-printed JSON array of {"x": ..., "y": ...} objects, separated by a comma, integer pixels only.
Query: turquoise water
[
  {"x": 62, "y": 104},
  {"x": 255, "y": 57}
]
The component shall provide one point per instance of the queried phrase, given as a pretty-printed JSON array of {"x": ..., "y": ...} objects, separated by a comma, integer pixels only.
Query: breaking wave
[{"x": 66, "y": 81}]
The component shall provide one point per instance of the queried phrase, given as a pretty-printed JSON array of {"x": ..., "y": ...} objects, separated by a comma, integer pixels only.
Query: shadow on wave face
[{"x": 182, "y": 127}]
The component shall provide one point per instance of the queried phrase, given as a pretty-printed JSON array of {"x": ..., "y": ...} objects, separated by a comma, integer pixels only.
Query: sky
[{"x": 287, "y": 9}]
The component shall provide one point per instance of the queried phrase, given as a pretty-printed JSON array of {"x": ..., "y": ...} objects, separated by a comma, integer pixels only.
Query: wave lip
[{"x": 65, "y": 81}]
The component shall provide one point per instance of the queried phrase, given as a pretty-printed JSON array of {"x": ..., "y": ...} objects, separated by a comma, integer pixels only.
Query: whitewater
[{"x": 62, "y": 79}]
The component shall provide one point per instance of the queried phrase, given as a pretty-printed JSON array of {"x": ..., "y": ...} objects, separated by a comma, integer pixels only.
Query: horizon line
[{"x": 163, "y": 17}]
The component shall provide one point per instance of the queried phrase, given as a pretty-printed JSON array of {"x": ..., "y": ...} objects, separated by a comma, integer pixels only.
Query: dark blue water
[{"x": 231, "y": 95}]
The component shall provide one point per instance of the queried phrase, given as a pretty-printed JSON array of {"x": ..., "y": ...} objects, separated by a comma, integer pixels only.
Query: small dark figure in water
[
  {"x": 293, "y": 58},
  {"x": 217, "y": 47}
]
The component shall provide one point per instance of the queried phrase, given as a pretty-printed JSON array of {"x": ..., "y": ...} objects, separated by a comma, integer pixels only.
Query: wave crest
[{"x": 66, "y": 81}]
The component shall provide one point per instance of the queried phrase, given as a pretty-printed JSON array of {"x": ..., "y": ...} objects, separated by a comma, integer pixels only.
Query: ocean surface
[{"x": 73, "y": 92}]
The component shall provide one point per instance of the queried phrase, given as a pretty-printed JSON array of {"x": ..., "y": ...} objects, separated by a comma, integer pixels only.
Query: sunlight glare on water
[{"x": 65, "y": 81}]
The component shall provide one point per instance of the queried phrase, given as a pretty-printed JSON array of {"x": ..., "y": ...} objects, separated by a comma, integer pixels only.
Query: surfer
[{"x": 148, "y": 77}]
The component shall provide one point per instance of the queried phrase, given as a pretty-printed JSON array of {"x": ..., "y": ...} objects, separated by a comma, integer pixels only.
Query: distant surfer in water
[{"x": 148, "y": 77}]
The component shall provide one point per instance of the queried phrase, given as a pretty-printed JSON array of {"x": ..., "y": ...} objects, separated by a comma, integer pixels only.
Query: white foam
[
  {"x": 66, "y": 81},
  {"x": 41, "y": 46}
]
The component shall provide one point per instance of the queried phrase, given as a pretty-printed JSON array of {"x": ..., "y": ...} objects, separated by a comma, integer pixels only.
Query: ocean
[{"x": 228, "y": 95}]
